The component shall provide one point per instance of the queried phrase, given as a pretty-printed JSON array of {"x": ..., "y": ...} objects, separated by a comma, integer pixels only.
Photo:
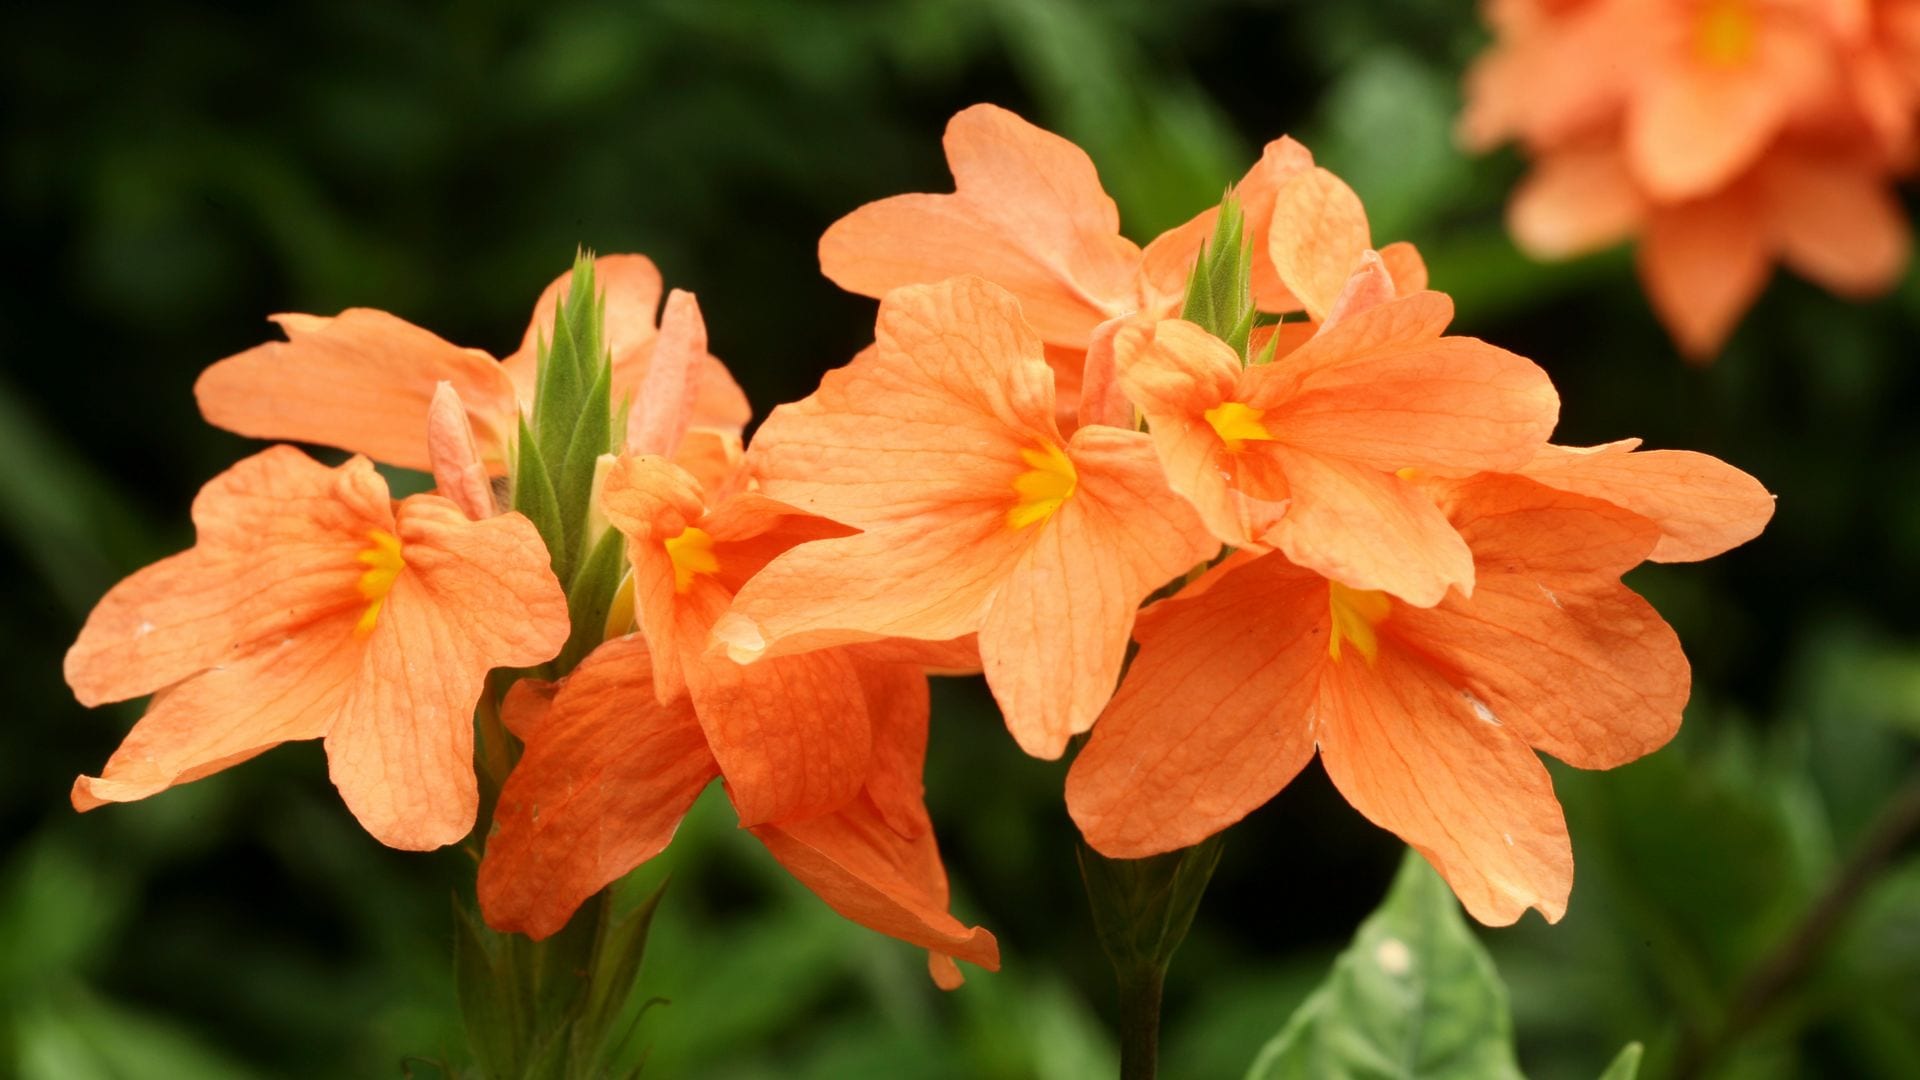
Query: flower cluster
[
  {"x": 1727, "y": 135},
  {"x": 1349, "y": 528}
]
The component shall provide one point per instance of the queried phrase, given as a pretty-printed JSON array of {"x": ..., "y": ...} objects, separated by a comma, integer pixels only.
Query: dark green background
[{"x": 170, "y": 176}]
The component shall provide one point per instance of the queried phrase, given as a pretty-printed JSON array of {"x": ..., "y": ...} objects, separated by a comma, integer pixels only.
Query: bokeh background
[{"x": 172, "y": 175}]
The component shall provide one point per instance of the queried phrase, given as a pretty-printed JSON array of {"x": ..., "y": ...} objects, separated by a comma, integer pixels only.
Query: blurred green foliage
[{"x": 173, "y": 174}]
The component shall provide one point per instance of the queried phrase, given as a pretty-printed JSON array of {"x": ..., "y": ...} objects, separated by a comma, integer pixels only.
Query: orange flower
[
  {"x": 610, "y": 770},
  {"x": 1426, "y": 719},
  {"x": 1029, "y": 215},
  {"x": 940, "y": 443},
  {"x": 1823, "y": 210},
  {"x": 311, "y": 606},
  {"x": 1307, "y": 453},
  {"x": 365, "y": 380},
  {"x": 1726, "y": 134}
]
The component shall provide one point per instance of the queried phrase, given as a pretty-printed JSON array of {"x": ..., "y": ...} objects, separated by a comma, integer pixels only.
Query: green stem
[{"x": 1140, "y": 1022}]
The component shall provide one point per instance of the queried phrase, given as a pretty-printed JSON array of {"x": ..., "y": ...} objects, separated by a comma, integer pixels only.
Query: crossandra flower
[
  {"x": 821, "y": 752},
  {"x": 1426, "y": 719},
  {"x": 1727, "y": 135},
  {"x": 365, "y": 380},
  {"x": 1029, "y": 215},
  {"x": 312, "y": 606},
  {"x": 1308, "y": 453},
  {"x": 977, "y": 515}
]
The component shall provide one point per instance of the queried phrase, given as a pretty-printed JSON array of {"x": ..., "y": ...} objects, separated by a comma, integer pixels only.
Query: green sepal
[
  {"x": 1220, "y": 288},
  {"x": 1271, "y": 349},
  {"x": 1143, "y": 908},
  {"x": 567, "y": 365},
  {"x": 533, "y": 495},
  {"x": 622, "y": 944},
  {"x": 491, "y": 1020},
  {"x": 1626, "y": 1064},
  {"x": 592, "y": 437},
  {"x": 1415, "y": 995},
  {"x": 590, "y": 598}
]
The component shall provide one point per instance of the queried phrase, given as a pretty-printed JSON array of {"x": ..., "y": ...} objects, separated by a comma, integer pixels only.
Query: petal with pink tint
[{"x": 458, "y": 472}]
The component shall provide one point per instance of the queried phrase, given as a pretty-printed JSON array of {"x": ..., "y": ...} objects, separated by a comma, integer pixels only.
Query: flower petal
[
  {"x": 631, "y": 287},
  {"x": 362, "y": 381},
  {"x": 1410, "y": 753},
  {"x": 1838, "y": 222},
  {"x": 1704, "y": 263},
  {"x": 473, "y": 596},
  {"x": 1575, "y": 201},
  {"x": 1368, "y": 529},
  {"x": 1055, "y": 635},
  {"x": 1207, "y": 725},
  {"x": 277, "y": 540},
  {"x": 1319, "y": 230},
  {"x": 603, "y": 784},
  {"x": 662, "y": 408},
  {"x": 276, "y": 691},
  {"x": 458, "y": 472},
  {"x": 1702, "y": 505},
  {"x": 872, "y": 875}
]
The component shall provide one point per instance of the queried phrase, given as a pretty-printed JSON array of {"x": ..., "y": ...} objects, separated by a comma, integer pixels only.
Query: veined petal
[
  {"x": 277, "y": 539},
  {"x": 275, "y": 691},
  {"x": 1176, "y": 372},
  {"x": 934, "y": 417},
  {"x": 898, "y": 707},
  {"x": 1551, "y": 643},
  {"x": 362, "y": 381},
  {"x": 1215, "y": 715},
  {"x": 1280, "y": 161},
  {"x": 872, "y": 875},
  {"x": 1478, "y": 803},
  {"x": 472, "y": 596},
  {"x": 663, "y": 407},
  {"x": 605, "y": 779},
  {"x": 1702, "y": 505},
  {"x": 1055, "y": 635},
  {"x": 1319, "y": 230},
  {"x": 1368, "y": 529},
  {"x": 1449, "y": 404},
  {"x": 1028, "y": 213},
  {"x": 657, "y": 504},
  {"x": 1397, "y": 325},
  {"x": 791, "y": 734},
  {"x": 931, "y": 584}
]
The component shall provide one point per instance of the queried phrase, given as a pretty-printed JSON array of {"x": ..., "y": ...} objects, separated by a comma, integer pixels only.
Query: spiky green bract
[{"x": 1220, "y": 288}]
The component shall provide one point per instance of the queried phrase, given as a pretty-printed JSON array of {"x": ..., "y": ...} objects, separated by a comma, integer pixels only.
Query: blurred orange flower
[
  {"x": 1426, "y": 719},
  {"x": 1727, "y": 135},
  {"x": 312, "y": 606}
]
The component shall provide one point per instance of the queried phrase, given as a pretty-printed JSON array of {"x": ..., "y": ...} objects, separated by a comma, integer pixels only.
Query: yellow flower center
[
  {"x": 1724, "y": 34},
  {"x": 383, "y": 563},
  {"x": 1356, "y": 612},
  {"x": 1050, "y": 480},
  {"x": 692, "y": 555},
  {"x": 1237, "y": 425}
]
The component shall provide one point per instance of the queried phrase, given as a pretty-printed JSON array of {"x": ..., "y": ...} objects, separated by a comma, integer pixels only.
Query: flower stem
[
  {"x": 1140, "y": 1022},
  {"x": 1142, "y": 909}
]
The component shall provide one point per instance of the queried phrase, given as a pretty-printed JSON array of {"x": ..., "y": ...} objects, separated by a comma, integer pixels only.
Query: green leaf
[
  {"x": 1626, "y": 1064},
  {"x": 1414, "y": 997},
  {"x": 590, "y": 597}
]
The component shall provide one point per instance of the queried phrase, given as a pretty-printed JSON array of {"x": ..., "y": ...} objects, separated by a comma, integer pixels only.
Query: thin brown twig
[{"x": 1896, "y": 823}]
